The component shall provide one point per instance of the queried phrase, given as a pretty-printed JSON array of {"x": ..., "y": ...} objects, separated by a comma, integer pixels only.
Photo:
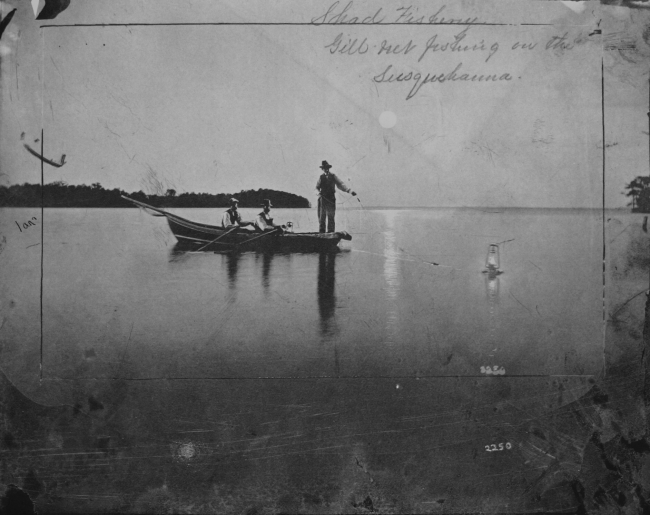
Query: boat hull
[
  {"x": 198, "y": 236},
  {"x": 193, "y": 235}
]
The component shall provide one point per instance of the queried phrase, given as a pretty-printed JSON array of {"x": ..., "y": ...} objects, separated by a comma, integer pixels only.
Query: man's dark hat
[
  {"x": 325, "y": 165},
  {"x": 266, "y": 202}
]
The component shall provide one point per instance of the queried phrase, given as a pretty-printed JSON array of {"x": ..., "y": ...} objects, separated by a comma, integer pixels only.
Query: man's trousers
[{"x": 326, "y": 214}]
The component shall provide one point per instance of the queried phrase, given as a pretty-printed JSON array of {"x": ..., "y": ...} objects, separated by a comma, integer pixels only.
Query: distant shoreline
[{"x": 62, "y": 195}]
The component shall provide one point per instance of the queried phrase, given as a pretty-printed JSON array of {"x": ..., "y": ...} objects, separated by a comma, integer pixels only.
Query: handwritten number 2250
[{"x": 493, "y": 447}]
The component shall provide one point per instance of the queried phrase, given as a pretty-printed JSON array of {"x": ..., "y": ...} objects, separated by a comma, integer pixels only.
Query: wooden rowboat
[{"x": 193, "y": 235}]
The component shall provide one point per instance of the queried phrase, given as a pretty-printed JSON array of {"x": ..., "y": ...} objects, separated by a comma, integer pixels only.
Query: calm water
[
  {"x": 406, "y": 297},
  {"x": 202, "y": 382}
]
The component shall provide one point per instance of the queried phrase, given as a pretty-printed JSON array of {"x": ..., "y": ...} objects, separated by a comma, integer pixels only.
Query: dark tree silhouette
[
  {"x": 639, "y": 190},
  {"x": 60, "y": 194}
]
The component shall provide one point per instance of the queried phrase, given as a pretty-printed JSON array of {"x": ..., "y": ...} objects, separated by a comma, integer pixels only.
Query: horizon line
[{"x": 486, "y": 209}]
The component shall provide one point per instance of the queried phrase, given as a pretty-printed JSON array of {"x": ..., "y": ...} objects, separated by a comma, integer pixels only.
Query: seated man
[
  {"x": 231, "y": 218},
  {"x": 264, "y": 222}
]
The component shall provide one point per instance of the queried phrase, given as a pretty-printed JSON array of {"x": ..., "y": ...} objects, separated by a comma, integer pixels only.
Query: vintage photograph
[{"x": 324, "y": 257}]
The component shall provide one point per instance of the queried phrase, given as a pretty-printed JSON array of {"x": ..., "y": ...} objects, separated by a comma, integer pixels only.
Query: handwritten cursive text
[
  {"x": 347, "y": 46},
  {"x": 27, "y": 224},
  {"x": 456, "y": 46},
  {"x": 334, "y": 16},
  {"x": 407, "y": 15},
  {"x": 453, "y": 76}
]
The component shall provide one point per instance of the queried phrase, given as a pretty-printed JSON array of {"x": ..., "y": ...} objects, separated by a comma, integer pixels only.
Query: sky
[{"x": 221, "y": 108}]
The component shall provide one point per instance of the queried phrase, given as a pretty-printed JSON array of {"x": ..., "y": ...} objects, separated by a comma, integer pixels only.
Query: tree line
[
  {"x": 639, "y": 191},
  {"x": 60, "y": 194}
]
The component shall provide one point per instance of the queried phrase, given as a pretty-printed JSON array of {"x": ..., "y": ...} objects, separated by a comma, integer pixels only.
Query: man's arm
[
  {"x": 340, "y": 185},
  {"x": 241, "y": 223},
  {"x": 225, "y": 221},
  {"x": 245, "y": 224},
  {"x": 260, "y": 223}
]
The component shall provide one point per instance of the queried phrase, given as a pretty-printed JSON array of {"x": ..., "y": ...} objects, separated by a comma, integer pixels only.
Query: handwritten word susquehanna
[
  {"x": 339, "y": 14},
  {"x": 420, "y": 80}
]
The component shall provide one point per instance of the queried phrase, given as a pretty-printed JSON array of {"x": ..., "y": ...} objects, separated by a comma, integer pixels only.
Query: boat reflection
[
  {"x": 326, "y": 292},
  {"x": 324, "y": 262},
  {"x": 232, "y": 264},
  {"x": 266, "y": 259},
  {"x": 266, "y": 269},
  {"x": 178, "y": 254}
]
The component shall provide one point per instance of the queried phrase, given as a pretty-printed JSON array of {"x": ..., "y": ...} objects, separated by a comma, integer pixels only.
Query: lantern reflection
[
  {"x": 492, "y": 287},
  {"x": 492, "y": 272}
]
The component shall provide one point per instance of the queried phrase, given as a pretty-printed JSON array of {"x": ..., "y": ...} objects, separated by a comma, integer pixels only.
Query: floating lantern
[{"x": 492, "y": 260}]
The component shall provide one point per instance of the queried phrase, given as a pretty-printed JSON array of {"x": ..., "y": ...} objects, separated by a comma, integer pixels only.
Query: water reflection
[
  {"x": 232, "y": 264},
  {"x": 391, "y": 265},
  {"x": 325, "y": 277},
  {"x": 492, "y": 293},
  {"x": 326, "y": 291},
  {"x": 492, "y": 288},
  {"x": 391, "y": 276},
  {"x": 178, "y": 254},
  {"x": 267, "y": 257}
]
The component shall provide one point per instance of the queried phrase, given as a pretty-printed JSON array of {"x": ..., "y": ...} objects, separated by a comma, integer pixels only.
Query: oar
[
  {"x": 218, "y": 238},
  {"x": 274, "y": 231}
]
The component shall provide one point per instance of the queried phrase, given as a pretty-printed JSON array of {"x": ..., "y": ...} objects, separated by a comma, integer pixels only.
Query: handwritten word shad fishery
[
  {"x": 338, "y": 14},
  {"x": 457, "y": 74}
]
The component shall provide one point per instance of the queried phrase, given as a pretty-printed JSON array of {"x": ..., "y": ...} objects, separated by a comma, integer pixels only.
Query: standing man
[
  {"x": 264, "y": 222},
  {"x": 326, "y": 185},
  {"x": 231, "y": 218}
]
